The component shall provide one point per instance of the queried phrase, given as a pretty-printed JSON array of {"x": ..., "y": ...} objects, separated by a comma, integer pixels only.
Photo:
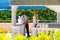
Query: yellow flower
[
  {"x": 2, "y": 36},
  {"x": 7, "y": 38},
  {"x": 57, "y": 33},
  {"x": 1, "y": 30},
  {"x": 19, "y": 37},
  {"x": 47, "y": 37},
  {"x": 40, "y": 35},
  {"x": 33, "y": 37},
  {"x": 8, "y": 31}
]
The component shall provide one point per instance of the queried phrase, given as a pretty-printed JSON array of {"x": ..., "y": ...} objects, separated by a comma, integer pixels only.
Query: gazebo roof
[{"x": 34, "y": 2}]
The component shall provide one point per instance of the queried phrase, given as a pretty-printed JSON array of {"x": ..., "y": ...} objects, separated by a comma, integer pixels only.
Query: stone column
[{"x": 13, "y": 14}]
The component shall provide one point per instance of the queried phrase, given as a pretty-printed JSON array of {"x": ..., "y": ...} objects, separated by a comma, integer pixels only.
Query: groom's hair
[{"x": 23, "y": 13}]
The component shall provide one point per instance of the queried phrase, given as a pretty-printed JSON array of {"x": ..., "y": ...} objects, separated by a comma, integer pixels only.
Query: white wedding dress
[{"x": 35, "y": 29}]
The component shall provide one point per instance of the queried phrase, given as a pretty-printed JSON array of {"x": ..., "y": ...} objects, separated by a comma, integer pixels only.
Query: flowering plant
[
  {"x": 19, "y": 37},
  {"x": 42, "y": 35}
]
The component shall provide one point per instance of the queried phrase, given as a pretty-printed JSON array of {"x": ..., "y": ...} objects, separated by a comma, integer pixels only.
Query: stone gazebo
[{"x": 52, "y": 5}]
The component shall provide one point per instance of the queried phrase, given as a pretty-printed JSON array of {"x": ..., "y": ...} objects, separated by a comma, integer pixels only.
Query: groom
[{"x": 25, "y": 21}]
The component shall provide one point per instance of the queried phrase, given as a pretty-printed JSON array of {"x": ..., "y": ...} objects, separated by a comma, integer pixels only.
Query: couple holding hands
[{"x": 25, "y": 21}]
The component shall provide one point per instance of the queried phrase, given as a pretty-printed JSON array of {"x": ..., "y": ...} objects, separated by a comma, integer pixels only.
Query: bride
[
  {"x": 35, "y": 20},
  {"x": 35, "y": 24}
]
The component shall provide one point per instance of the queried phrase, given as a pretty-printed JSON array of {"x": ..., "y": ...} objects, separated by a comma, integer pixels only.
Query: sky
[
  {"x": 4, "y": 1},
  {"x": 4, "y": 4}
]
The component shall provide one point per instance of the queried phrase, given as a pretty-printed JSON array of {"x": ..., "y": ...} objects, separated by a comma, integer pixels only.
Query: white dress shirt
[{"x": 23, "y": 19}]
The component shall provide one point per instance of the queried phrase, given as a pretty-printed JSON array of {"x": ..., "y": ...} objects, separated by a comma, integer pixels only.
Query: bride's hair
[{"x": 36, "y": 15}]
